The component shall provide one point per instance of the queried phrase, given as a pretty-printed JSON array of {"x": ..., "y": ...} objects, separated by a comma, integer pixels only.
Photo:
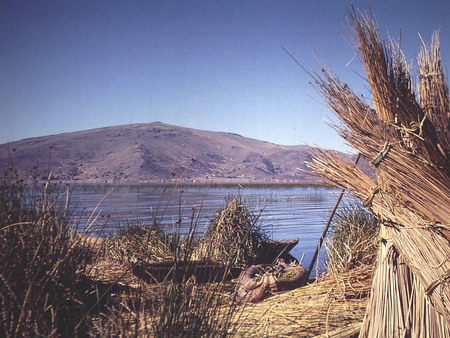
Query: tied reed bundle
[{"x": 407, "y": 142}]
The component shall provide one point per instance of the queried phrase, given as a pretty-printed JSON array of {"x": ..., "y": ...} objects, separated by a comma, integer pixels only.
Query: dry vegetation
[
  {"x": 77, "y": 285},
  {"x": 331, "y": 307},
  {"x": 354, "y": 240},
  {"x": 235, "y": 233},
  {"x": 43, "y": 291},
  {"x": 405, "y": 136},
  {"x": 236, "y": 236}
]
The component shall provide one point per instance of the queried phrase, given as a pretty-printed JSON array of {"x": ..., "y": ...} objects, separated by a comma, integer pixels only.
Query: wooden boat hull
[{"x": 203, "y": 271}]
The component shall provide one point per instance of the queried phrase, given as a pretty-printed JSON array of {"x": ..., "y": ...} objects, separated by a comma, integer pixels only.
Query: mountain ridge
[{"x": 157, "y": 152}]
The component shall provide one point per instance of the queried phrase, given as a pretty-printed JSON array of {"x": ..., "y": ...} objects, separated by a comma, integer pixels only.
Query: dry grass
[
  {"x": 406, "y": 140},
  {"x": 236, "y": 233},
  {"x": 43, "y": 291},
  {"x": 354, "y": 240},
  {"x": 334, "y": 306},
  {"x": 132, "y": 306},
  {"x": 147, "y": 243},
  {"x": 77, "y": 287}
]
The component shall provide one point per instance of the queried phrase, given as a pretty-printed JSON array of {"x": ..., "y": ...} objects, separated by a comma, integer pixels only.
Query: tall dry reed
[{"x": 405, "y": 137}]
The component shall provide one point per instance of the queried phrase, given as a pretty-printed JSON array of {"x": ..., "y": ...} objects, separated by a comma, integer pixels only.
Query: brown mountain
[{"x": 157, "y": 152}]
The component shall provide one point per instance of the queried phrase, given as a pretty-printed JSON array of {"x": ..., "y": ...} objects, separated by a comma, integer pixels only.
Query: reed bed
[
  {"x": 169, "y": 309},
  {"x": 179, "y": 306},
  {"x": 43, "y": 289},
  {"x": 354, "y": 241},
  {"x": 143, "y": 242},
  {"x": 333, "y": 305},
  {"x": 405, "y": 137}
]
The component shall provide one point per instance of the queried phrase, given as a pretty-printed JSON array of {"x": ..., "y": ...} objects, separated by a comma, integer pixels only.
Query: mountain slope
[{"x": 155, "y": 152}]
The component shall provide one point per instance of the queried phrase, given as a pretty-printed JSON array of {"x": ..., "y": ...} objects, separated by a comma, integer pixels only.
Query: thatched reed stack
[{"x": 405, "y": 137}]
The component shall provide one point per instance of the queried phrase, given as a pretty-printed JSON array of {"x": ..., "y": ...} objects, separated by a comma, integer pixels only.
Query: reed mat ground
[{"x": 333, "y": 306}]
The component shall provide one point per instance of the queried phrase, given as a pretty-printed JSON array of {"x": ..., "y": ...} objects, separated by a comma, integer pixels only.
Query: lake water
[{"x": 288, "y": 212}]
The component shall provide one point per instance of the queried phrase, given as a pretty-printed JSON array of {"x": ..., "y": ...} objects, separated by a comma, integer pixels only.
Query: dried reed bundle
[
  {"x": 433, "y": 92},
  {"x": 411, "y": 313},
  {"x": 233, "y": 236},
  {"x": 407, "y": 142}
]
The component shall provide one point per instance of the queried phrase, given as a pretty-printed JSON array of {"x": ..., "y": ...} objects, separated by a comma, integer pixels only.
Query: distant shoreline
[{"x": 218, "y": 183}]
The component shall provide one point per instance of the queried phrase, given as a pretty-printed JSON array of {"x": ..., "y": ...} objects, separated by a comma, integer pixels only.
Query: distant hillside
[{"x": 155, "y": 152}]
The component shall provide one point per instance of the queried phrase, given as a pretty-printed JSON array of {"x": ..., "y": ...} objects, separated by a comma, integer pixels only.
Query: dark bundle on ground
[
  {"x": 406, "y": 140},
  {"x": 41, "y": 263},
  {"x": 331, "y": 307},
  {"x": 234, "y": 236},
  {"x": 354, "y": 240}
]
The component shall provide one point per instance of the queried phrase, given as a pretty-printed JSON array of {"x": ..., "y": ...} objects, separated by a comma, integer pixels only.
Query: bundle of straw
[
  {"x": 407, "y": 142},
  {"x": 234, "y": 236}
]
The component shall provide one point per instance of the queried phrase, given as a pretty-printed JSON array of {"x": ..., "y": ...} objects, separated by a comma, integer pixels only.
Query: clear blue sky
[{"x": 214, "y": 65}]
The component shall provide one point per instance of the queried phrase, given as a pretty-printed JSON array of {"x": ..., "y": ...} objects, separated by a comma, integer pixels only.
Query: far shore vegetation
[{"x": 212, "y": 184}]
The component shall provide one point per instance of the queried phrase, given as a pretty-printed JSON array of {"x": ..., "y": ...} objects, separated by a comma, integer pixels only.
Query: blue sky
[{"x": 214, "y": 65}]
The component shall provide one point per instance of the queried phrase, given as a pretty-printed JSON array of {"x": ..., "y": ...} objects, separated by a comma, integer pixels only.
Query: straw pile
[
  {"x": 406, "y": 140},
  {"x": 333, "y": 307},
  {"x": 234, "y": 236}
]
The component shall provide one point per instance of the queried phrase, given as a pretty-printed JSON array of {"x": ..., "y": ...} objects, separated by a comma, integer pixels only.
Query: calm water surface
[{"x": 287, "y": 212}]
